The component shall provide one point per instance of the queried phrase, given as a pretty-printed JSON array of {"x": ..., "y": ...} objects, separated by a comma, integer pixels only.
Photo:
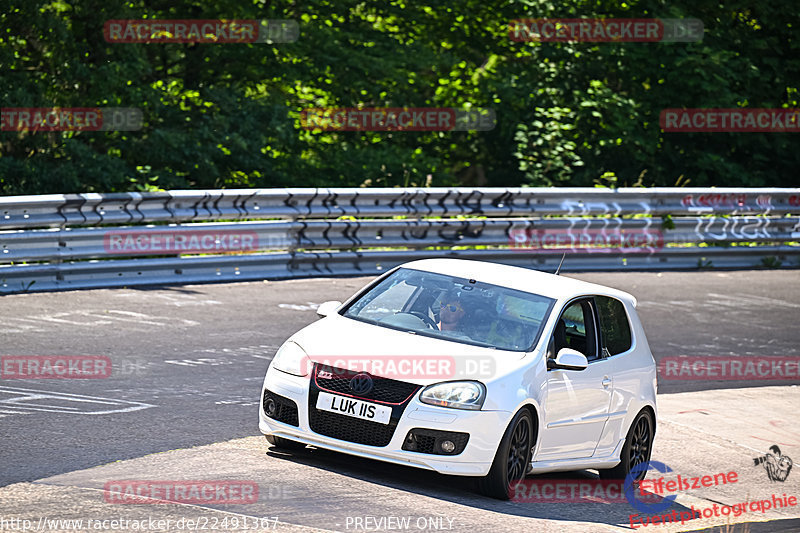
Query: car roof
[{"x": 524, "y": 279}]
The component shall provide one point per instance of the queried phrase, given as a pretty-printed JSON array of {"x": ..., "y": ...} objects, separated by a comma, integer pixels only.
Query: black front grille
[
  {"x": 351, "y": 429},
  {"x": 384, "y": 390},
  {"x": 429, "y": 441},
  {"x": 337, "y": 381},
  {"x": 285, "y": 410}
]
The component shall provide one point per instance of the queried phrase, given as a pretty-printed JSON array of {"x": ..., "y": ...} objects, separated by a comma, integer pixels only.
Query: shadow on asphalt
[
  {"x": 463, "y": 490},
  {"x": 790, "y": 525}
]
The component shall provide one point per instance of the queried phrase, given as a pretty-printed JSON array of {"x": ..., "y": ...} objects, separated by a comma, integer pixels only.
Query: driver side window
[
  {"x": 385, "y": 302},
  {"x": 575, "y": 329}
]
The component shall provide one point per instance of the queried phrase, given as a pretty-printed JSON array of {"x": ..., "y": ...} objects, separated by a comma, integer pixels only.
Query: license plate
[{"x": 355, "y": 408}]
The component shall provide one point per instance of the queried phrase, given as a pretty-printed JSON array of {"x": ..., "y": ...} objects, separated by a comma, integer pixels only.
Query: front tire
[
  {"x": 511, "y": 460},
  {"x": 637, "y": 449},
  {"x": 284, "y": 444}
]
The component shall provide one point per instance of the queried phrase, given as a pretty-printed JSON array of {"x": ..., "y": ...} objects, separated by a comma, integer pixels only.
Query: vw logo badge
[{"x": 361, "y": 383}]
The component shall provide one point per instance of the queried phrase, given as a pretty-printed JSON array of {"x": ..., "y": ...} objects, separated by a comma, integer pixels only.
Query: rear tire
[
  {"x": 511, "y": 460},
  {"x": 637, "y": 449},
  {"x": 284, "y": 444}
]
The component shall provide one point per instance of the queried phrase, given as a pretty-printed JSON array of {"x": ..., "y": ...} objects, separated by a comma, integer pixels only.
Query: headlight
[
  {"x": 455, "y": 394},
  {"x": 291, "y": 359}
]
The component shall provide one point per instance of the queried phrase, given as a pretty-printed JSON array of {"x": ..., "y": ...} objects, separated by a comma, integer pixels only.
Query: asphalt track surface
[{"x": 189, "y": 362}]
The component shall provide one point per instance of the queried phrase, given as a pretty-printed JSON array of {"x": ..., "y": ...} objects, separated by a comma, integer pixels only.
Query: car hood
[{"x": 393, "y": 354}]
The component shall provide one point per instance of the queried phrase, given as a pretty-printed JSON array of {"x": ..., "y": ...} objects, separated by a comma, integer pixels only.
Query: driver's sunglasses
[{"x": 452, "y": 307}]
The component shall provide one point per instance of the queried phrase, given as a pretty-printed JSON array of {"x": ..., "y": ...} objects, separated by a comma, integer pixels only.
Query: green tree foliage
[{"x": 227, "y": 115}]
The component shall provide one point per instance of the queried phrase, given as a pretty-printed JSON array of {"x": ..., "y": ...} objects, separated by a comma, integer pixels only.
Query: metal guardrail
[
  {"x": 89, "y": 243},
  {"x": 104, "y": 240},
  {"x": 59, "y": 210}
]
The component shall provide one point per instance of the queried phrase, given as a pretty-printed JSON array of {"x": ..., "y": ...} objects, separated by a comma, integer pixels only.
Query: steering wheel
[{"x": 425, "y": 318}]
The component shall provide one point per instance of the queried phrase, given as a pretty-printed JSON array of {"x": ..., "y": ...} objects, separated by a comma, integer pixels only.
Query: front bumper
[{"x": 485, "y": 430}]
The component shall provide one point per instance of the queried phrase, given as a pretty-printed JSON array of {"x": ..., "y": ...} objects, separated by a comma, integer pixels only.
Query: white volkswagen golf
[{"x": 470, "y": 368}]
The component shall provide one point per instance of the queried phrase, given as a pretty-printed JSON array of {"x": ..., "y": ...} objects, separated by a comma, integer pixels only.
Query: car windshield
[{"x": 453, "y": 308}]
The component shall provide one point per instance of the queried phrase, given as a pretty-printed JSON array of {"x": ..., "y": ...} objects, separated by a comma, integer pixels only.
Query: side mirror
[
  {"x": 327, "y": 308},
  {"x": 568, "y": 359}
]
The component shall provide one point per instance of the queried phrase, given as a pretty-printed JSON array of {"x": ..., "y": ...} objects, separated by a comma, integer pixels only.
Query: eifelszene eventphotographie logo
[{"x": 776, "y": 464}]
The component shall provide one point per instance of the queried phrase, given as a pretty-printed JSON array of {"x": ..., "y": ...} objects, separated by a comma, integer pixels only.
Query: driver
[{"x": 451, "y": 314}]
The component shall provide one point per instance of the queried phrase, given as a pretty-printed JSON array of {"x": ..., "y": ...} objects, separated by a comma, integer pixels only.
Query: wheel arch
[
  {"x": 534, "y": 411},
  {"x": 650, "y": 409}
]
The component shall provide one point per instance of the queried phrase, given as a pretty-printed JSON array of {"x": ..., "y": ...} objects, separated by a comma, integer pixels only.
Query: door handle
[{"x": 606, "y": 381}]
